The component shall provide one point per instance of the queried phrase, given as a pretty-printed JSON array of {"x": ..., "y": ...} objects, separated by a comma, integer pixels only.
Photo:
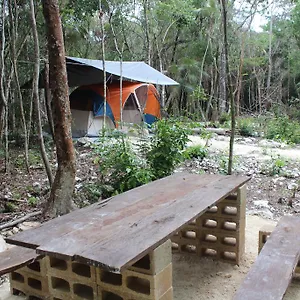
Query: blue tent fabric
[
  {"x": 98, "y": 107},
  {"x": 149, "y": 119}
]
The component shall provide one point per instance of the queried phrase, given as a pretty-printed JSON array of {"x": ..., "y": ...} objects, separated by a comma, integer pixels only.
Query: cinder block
[
  {"x": 37, "y": 268},
  {"x": 30, "y": 285},
  {"x": 70, "y": 270},
  {"x": 218, "y": 233},
  {"x": 263, "y": 235},
  {"x": 155, "y": 261},
  {"x": 134, "y": 285}
]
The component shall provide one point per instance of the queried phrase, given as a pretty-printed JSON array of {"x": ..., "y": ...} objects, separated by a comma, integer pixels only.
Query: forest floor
[{"x": 272, "y": 192}]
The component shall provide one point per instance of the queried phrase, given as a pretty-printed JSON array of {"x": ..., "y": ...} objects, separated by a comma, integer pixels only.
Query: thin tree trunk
[
  {"x": 48, "y": 98},
  {"x": 36, "y": 94},
  {"x": 147, "y": 32},
  {"x": 121, "y": 70},
  {"x": 270, "y": 57},
  {"x": 14, "y": 33},
  {"x": 4, "y": 113},
  {"x": 232, "y": 107},
  {"x": 60, "y": 200},
  {"x": 101, "y": 13}
]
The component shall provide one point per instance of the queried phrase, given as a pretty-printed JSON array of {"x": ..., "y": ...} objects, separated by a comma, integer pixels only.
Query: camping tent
[{"x": 139, "y": 102}]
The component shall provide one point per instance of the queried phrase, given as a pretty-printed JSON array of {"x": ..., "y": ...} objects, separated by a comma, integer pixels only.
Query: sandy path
[
  {"x": 254, "y": 151},
  {"x": 203, "y": 279}
]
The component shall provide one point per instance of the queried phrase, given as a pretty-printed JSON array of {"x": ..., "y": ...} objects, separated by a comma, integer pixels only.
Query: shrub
[
  {"x": 283, "y": 129},
  {"x": 198, "y": 152},
  {"x": 120, "y": 167},
  {"x": 224, "y": 118},
  {"x": 166, "y": 147},
  {"x": 246, "y": 127}
]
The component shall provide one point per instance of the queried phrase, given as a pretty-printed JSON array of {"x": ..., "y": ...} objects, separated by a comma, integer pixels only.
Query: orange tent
[{"x": 139, "y": 101}]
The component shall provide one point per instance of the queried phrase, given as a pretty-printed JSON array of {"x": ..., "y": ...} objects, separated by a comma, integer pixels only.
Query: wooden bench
[
  {"x": 116, "y": 239},
  {"x": 274, "y": 267}
]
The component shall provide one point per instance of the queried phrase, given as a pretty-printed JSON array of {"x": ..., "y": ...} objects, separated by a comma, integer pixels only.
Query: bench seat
[{"x": 271, "y": 274}]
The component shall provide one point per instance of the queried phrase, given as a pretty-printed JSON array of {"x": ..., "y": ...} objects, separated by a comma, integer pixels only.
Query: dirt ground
[
  {"x": 197, "y": 278},
  {"x": 193, "y": 278}
]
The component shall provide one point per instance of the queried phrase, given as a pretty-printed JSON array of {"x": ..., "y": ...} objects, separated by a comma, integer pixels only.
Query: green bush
[
  {"x": 198, "y": 152},
  {"x": 166, "y": 147},
  {"x": 120, "y": 167},
  {"x": 224, "y": 118},
  {"x": 283, "y": 129},
  {"x": 246, "y": 127}
]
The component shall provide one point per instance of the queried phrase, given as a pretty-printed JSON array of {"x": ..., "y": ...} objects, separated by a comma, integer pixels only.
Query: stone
[
  {"x": 3, "y": 245},
  {"x": 261, "y": 203}
]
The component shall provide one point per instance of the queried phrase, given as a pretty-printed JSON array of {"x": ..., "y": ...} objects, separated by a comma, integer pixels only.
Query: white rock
[
  {"x": 261, "y": 203},
  {"x": 3, "y": 245}
]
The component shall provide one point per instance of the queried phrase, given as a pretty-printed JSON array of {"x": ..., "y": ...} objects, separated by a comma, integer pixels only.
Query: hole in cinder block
[
  {"x": 232, "y": 197},
  {"x": 34, "y": 298},
  {"x": 81, "y": 269},
  {"x": 210, "y": 238},
  {"x": 111, "y": 278},
  {"x": 230, "y": 226},
  {"x": 209, "y": 252},
  {"x": 229, "y": 255},
  {"x": 15, "y": 276},
  {"x": 35, "y": 284},
  {"x": 175, "y": 246},
  {"x": 208, "y": 223},
  {"x": 143, "y": 263},
  {"x": 35, "y": 266},
  {"x": 57, "y": 263},
  {"x": 189, "y": 234},
  {"x": 110, "y": 296},
  {"x": 56, "y": 298},
  {"x": 139, "y": 285},
  {"x": 213, "y": 210},
  {"x": 60, "y": 284},
  {"x": 189, "y": 248},
  {"x": 230, "y": 210},
  {"x": 265, "y": 238},
  {"x": 83, "y": 291},
  {"x": 298, "y": 265},
  {"x": 17, "y": 292},
  {"x": 230, "y": 241}
]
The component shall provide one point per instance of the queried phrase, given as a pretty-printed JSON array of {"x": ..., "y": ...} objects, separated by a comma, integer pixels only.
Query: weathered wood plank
[
  {"x": 125, "y": 241},
  {"x": 119, "y": 220},
  {"x": 15, "y": 258},
  {"x": 272, "y": 271},
  {"x": 84, "y": 217}
]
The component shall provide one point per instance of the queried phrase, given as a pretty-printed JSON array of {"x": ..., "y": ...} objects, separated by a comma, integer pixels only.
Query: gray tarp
[
  {"x": 137, "y": 71},
  {"x": 83, "y": 71}
]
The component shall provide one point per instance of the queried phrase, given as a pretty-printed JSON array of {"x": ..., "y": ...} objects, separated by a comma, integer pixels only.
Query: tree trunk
[
  {"x": 36, "y": 93},
  {"x": 4, "y": 111},
  {"x": 48, "y": 99},
  {"x": 232, "y": 106},
  {"x": 60, "y": 200}
]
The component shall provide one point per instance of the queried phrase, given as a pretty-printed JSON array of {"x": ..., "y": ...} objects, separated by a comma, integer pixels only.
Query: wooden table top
[{"x": 118, "y": 233}]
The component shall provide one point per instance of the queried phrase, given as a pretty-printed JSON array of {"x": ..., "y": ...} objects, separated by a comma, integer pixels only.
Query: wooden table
[{"x": 116, "y": 234}]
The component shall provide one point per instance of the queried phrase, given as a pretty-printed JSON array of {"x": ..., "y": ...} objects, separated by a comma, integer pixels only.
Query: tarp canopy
[
  {"x": 82, "y": 71},
  {"x": 136, "y": 71}
]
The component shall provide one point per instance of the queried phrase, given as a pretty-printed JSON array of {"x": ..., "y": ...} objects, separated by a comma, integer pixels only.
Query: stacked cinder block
[
  {"x": 218, "y": 233},
  {"x": 70, "y": 280},
  {"x": 30, "y": 281},
  {"x": 150, "y": 278},
  {"x": 263, "y": 235}
]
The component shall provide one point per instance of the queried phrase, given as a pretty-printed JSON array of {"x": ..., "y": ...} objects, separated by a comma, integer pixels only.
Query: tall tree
[{"x": 60, "y": 200}]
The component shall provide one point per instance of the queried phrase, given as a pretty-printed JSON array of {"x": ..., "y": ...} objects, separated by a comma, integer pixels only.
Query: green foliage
[
  {"x": 120, "y": 167},
  {"x": 166, "y": 147},
  {"x": 224, "y": 118},
  {"x": 9, "y": 207},
  {"x": 274, "y": 166},
  {"x": 33, "y": 201},
  {"x": 198, "y": 152},
  {"x": 283, "y": 129},
  {"x": 246, "y": 127}
]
